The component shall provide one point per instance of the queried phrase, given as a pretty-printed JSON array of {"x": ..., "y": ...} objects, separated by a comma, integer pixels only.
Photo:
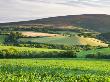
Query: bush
[
  {"x": 98, "y": 55},
  {"x": 13, "y": 53},
  {"x": 90, "y": 56},
  {"x": 68, "y": 54}
]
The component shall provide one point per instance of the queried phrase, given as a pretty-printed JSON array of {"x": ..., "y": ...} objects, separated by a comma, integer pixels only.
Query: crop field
[
  {"x": 82, "y": 54},
  {"x": 53, "y": 40},
  {"x": 35, "y": 34},
  {"x": 65, "y": 40},
  {"x": 54, "y": 70}
]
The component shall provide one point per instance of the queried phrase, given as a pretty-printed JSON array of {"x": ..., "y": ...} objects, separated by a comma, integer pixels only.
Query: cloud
[
  {"x": 75, "y": 2},
  {"x": 19, "y": 10}
]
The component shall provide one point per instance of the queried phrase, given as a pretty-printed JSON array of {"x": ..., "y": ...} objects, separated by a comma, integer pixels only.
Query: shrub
[
  {"x": 98, "y": 55},
  {"x": 13, "y": 53},
  {"x": 90, "y": 56},
  {"x": 68, "y": 54}
]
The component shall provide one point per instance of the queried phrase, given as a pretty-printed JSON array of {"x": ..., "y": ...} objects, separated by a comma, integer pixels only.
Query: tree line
[{"x": 14, "y": 53}]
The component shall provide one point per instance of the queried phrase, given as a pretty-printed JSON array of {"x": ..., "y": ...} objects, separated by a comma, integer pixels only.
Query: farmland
[
  {"x": 59, "y": 39},
  {"x": 55, "y": 50},
  {"x": 28, "y": 49},
  {"x": 56, "y": 70},
  {"x": 53, "y": 40},
  {"x": 105, "y": 51},
  {"x": 25, "y": 52},
  {"x": 65, "y": 40},
  {"x": 35, "y": 34}
]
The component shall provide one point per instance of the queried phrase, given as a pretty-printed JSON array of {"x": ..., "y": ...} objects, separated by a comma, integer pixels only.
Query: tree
[
  {"x": 13, "y": 37},
  {"x": 68, "y": 54}
]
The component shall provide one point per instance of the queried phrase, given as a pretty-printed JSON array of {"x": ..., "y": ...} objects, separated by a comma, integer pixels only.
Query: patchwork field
[
  {"x": 53, "y": 40},
  {"x": 54, "y": 70},
  {"x": 47, "y": 38},
  {"x": 43, "y": 52},
  {"x": 66, "y": 40}
]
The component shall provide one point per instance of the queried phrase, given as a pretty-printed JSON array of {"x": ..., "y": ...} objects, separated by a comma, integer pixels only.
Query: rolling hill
[
  {"x": 65, "y": 40},
  {"x": 105, "y": 51},
  {"x": 105, "y": 37},
  {"x": 96, "y": 22}
]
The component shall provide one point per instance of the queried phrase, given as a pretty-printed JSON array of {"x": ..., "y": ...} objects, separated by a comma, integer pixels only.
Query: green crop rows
[
  {"x": 53, "y": 40},
  {"x": 54, "y": 70}
]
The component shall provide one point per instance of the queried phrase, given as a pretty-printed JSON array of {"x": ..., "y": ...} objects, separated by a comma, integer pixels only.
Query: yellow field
[{"x": 35, "y": 34}]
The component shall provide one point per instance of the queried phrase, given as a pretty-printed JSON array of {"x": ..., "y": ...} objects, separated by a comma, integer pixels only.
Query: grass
[
  {"x": 53, "y": 40},
  {"x": 54, "y": 70},
  {"x": 83, "y": 53},
  {"x": 29, "y": 49}
]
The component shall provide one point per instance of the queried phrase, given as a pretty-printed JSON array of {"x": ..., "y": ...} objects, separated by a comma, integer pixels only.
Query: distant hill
[
  {"x": 104, "y": 36},
  {"x": 96, "y": 22}
]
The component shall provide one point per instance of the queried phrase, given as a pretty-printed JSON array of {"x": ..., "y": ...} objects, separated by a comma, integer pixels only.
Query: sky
[{"x": 23, "y": 10}]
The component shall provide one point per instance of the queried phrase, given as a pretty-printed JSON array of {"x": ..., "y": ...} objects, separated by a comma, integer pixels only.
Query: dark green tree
[{"x": 13, "y": 37}]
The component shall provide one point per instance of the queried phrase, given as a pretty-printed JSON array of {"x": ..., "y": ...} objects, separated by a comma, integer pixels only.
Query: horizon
[
  {"x": 53, "y": 17},
  {"x": 22, "y": 10}
]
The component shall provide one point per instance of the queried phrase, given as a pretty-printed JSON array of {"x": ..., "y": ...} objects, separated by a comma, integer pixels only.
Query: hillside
[
  {"x": 65, "y": 40},
  {"x": 104, "y": 36},
  {"x": 96, "y": 22},
  {"x": 104, "y": 51}
]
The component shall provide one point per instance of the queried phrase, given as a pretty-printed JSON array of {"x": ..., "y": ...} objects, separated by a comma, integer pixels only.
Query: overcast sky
[{"x": 19, "y": 10}]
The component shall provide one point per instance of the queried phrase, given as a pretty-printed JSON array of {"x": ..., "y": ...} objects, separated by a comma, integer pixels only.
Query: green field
[
  {"x": 54, "y": 40},
  {"x": 54, "y": 70},
  {"x": 65, "y": 40},
  {"x": 29, "y": 49},
  {"x": 26, "y": 52},
  {"x": 83, "y": 53}
]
